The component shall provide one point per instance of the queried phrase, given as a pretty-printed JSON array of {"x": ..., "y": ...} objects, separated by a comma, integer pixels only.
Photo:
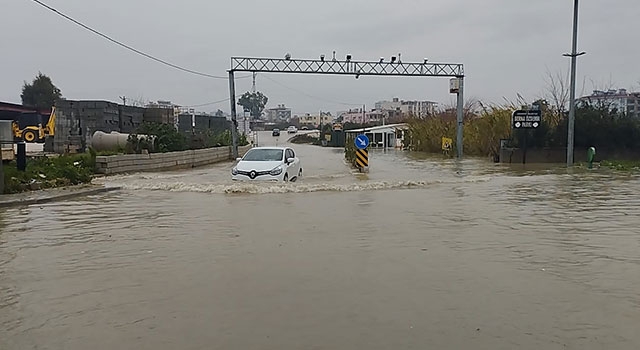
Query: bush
[
  {"x": 49, "y": 172},
  {"x": 242, "y": 140},
  {"x": 305, "y": 139},
  {"x": 350, "y": 153},
  {"x": 167, "y": 139}
]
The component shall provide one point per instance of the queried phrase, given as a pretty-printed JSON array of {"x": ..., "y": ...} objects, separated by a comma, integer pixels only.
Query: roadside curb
[{"x": 55, "y": 197}]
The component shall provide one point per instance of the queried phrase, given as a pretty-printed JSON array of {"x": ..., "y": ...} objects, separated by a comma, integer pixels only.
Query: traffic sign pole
[
  {"x": 362, "y": 153},
  {"x": 460, "y": 118},
  {"x": 525, "y": 120},
  {"x": 524, "y": 148},
  {"x": 362, "y": 158}
]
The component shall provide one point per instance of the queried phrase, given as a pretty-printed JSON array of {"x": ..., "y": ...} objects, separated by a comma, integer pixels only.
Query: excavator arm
[{"x": 50, "y": 127}]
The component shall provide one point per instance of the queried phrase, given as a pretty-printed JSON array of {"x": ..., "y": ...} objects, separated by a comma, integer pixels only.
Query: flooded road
[{"x": 419, "y": 253}]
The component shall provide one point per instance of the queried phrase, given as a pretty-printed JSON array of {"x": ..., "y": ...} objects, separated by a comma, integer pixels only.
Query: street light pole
[
  {"x": 572, "y": 94},
  {"x": 460, "y": 118}
]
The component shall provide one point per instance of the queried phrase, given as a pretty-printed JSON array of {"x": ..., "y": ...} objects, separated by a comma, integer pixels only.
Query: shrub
[{"x": 48, "y": 172}]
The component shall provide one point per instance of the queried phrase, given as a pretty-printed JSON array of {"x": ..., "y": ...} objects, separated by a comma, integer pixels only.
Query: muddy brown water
[{"x": 419, "y": 253}]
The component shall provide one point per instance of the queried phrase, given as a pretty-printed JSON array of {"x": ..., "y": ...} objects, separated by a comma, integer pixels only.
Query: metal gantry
[
  {"x": 333, "y": 66},
  {"x": 348, "y": 67}
]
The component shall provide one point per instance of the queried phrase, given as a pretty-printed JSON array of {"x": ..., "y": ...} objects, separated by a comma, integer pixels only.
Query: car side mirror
[
  {"x": 290, "y": 160},
  {"x": 238, "y": 159}
]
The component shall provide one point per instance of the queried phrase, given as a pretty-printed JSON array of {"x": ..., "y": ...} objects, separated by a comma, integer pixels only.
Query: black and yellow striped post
[{"x": 362, "y": 158}]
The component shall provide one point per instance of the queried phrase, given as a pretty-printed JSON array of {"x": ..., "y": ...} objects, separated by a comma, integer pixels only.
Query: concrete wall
[
  {"x": 159, "y": 115},
  {"x": 549, "y": 155},
  {"x": 125, "y": 163},
  {"x": 78, "y": 120},
  {"x": 559, "y": 155},
  {"x": 203, "y": 123}
]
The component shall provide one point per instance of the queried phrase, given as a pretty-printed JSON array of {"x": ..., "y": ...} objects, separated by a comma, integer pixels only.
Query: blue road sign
[{"x": 362, "y": 141}]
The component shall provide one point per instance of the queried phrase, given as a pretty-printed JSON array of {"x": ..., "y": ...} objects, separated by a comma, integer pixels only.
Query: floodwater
[{"x": 420, "y": 253}]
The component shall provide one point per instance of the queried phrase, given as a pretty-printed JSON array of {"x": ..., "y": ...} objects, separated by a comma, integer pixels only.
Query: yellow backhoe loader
[{"x": 32, "y": 129}]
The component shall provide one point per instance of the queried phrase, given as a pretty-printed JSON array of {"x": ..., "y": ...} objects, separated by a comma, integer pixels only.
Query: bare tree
[
  {"x": 139, "y": 101},
  {"x": 557, "y": 90},
  {"x": 604, "y": 85}
]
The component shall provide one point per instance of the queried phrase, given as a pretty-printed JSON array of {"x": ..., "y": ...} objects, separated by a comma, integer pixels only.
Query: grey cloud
[{"x": 506, "y": 45}]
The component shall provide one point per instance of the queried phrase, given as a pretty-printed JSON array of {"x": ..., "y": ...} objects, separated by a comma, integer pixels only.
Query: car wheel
[
  {"x": 300, "y": 172},
  {"x": 285, "y": 178}
]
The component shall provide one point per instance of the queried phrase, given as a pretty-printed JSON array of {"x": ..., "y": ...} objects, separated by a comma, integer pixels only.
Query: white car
[
  {"x": 268, "y": 164},
  {"x": 292, "y": 130}
]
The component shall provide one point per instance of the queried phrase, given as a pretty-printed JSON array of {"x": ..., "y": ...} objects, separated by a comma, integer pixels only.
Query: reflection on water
[{"x": 420, "y": 251}]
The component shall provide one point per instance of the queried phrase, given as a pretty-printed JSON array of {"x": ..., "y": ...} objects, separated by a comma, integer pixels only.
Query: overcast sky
[{"x": 505, "y": 45}]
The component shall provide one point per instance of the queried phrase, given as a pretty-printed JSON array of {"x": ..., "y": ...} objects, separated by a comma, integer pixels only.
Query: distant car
[
  {"x": 268, "y": 164},
  {"x": 292, "y": 130},
  {"x": 304, "y": 128},
  {"x": 276, "y": 132}
]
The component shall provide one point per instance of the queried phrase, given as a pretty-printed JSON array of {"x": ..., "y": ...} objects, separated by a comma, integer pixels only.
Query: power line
[
  {"x": 129, "y": 47},
  {"x": 311, "y": 96},
  {"x": 208, "y": 103}
]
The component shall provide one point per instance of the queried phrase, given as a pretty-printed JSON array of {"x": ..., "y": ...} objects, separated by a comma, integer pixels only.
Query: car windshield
[{"x": 263, "y": 155}]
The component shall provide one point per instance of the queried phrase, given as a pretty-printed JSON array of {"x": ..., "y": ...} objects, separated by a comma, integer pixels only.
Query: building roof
[
  {"x": 380, "y": 129},
  {"x": 610, "y": 94},
  {"x": 6, "y": 106}
]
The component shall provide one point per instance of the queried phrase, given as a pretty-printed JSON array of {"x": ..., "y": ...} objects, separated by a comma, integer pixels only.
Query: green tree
[
  {"x": 254, "y": 102},
  {"x": 41, "y": 93}
]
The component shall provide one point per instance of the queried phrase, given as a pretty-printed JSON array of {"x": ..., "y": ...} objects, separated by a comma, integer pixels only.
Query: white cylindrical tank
[{"x": 101, "y": 141}]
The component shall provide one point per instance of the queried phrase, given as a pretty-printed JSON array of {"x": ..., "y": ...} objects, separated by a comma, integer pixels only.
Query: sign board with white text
[{"x": 522, "y": 119}]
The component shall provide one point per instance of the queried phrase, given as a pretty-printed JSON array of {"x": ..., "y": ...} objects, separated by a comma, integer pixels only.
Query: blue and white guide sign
[{"x": 362, "y": 141}]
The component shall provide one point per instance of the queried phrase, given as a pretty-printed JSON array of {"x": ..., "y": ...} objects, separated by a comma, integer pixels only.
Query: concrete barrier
[{"x": 126, "y": 163}]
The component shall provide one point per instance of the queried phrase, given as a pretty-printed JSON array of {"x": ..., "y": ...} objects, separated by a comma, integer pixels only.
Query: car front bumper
[{"x": 267, "y": 177}]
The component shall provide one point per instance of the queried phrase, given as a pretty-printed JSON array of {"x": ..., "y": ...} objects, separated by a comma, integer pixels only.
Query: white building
[
  {"x": 244, "y": 125},
  {"x": 618, "y": 100},
  {"x": 356, "y": 116},
  {"x": 416, "y": 108},
  {"x": 278, "y": 114},
  {"x": 315, "y": 120},
  {"x": 385, "y": 136}
]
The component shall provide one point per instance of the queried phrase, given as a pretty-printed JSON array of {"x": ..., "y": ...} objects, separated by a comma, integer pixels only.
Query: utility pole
[
  {"x": 1, "y": 169},
  {"x": 124, "y": 100},
  {"x": 193, "y": 120},
  {"x": 253, "y": 88},
  {"x": 572, "y": 96},
  {"x": 234, "y": 121}
]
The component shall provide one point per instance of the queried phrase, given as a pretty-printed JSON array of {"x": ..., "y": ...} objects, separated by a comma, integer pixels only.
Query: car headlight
[
  {"x": 276, "y": 171},
  {"x": 234, "y": 171}
]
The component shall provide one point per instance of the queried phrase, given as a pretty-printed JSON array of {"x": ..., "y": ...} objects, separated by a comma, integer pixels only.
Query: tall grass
[{"x": 482, "y": 132}]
